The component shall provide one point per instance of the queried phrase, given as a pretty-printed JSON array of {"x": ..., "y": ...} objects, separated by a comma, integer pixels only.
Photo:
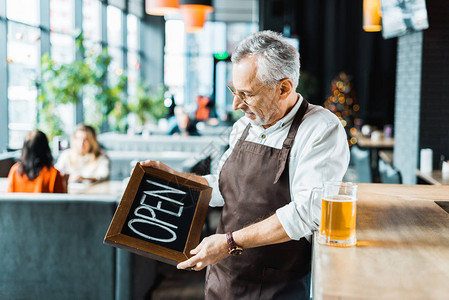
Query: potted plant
[
  {"x": 61, "y": 84},
  {"x": 149, "y": 104}
]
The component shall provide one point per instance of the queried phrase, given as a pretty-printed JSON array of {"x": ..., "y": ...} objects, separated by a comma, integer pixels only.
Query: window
[
  {"x": 133, "y": 64},
  {"x": 92, "y": 20},
  {"x": 133, "y": 32},
  {"x": 15, "y": 11},
  {"x": 61, "y": 30},
  {"x": 62, "y": 48},
  {"x": 23, "y": 56},
  {"x": 28, "y": 37},
  {"x": 114, "y": 26},
  {"x": 175, "y": 59},
  {"x": 61, "y": 16},
  {"x": 192, "y": 56},
  {"x": 92, "y": 28},
  {"x": 115, "y": 40}
]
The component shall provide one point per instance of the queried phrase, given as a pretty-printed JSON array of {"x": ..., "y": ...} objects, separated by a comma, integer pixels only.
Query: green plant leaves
[
  {"x": 88, "y": 78},
  {"x": 66, "y": 83},
  {"x": 149, "y": 105}
]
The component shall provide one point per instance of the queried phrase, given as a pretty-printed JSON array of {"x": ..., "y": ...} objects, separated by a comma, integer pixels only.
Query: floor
[
  {"x": 172, "y": 284},
  {"x": 176, "y": 284}
]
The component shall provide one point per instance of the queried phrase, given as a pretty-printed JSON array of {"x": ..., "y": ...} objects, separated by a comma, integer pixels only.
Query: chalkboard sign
[{"x": 160, "y": 215}]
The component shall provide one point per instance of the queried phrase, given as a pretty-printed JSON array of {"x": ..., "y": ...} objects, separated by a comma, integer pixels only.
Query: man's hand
[{"x": 210, "y": 251}]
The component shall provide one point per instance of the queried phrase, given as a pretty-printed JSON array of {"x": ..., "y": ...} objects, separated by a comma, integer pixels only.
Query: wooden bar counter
[{"x": 402, "y": 250}]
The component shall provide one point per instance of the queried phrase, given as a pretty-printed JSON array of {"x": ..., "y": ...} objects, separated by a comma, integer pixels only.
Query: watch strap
[
  {"x": 230, "y": 240},
  {"x": 234, "y": 249}
]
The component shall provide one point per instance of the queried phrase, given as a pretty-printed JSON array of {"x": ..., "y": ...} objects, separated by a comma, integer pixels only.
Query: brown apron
[{"x": 254, "y": 182}]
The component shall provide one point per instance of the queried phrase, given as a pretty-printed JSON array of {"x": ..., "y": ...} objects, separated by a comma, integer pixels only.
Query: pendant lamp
[
  {"x": 372, "y": 15},
  {"x": 194, "y": 13},
  {"x": 161, "y": 7}
]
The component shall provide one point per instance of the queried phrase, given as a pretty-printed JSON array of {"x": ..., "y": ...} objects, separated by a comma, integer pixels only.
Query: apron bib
[{"x": 254, "y": 182}]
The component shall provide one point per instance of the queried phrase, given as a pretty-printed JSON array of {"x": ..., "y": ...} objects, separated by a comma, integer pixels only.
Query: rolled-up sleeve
[
  {"x": 217, "y": 198},
  {"x": 213, "y": 179},
  {"x": 325, "y": 157}
]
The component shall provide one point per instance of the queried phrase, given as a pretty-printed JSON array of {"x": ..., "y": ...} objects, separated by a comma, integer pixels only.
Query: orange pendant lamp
[
  {"x": 161, "y": 7},
  {"x": 194, "y": 13},
  {"x": 372, "y": 15}
]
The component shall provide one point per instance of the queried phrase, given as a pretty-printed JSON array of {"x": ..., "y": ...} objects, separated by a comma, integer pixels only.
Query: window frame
[{"x": 45, "y": 47}]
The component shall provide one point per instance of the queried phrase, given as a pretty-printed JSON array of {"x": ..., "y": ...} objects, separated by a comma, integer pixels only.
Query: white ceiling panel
[{"x": 236, "y": 10}]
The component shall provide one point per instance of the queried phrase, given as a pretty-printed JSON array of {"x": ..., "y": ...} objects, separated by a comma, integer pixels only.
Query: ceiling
[{"x": 235, "y": 11}]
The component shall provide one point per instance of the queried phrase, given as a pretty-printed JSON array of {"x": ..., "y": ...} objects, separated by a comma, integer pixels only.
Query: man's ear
[{"x": 286, "y": 87}]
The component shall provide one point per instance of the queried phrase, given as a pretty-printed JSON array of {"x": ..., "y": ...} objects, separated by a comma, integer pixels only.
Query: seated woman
[
  {"x": 185, "y": 126},
  {"x": 84, "y": 160},
  {"x": 34, "y": 173}
]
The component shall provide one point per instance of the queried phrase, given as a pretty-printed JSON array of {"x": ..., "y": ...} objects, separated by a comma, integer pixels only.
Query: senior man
[{"x": 279, "y": 151}]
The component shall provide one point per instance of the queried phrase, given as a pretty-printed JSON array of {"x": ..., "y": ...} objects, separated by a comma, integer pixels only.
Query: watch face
[{"x": 236, "y": 251}]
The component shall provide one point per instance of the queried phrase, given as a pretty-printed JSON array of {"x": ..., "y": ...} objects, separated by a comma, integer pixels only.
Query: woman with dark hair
[{"x": 34, "y": 173}]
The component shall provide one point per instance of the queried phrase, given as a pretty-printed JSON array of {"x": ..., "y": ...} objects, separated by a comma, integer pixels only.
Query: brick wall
[
  {"x": 422, "y": 93},
  {"x": 434, "y": 125},
  {"x": 407, "y": 105}
]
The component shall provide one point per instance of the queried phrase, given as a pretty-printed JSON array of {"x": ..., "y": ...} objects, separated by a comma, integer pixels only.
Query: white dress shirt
[{"x": 319, "y": 153}]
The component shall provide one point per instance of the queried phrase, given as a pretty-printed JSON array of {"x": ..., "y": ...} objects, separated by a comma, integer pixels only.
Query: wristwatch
[{"x": 234, "y": 249}]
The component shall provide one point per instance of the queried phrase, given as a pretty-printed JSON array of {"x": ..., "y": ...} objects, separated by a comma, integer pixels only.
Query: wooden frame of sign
[{"x": 160, "y": 215}]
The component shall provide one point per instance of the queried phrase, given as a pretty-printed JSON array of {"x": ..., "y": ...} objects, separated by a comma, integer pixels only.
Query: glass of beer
[{"x": 338, "y": 213}]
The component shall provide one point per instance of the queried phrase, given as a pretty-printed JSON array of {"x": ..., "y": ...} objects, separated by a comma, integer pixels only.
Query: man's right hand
[{"x": 210, "y": 251}]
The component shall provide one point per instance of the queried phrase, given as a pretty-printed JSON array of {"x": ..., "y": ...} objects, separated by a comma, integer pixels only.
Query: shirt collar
[{"x": 288, "y": 118}]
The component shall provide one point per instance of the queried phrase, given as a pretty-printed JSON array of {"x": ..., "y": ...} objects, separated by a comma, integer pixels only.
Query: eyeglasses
[{"x": 241, "y": 96}]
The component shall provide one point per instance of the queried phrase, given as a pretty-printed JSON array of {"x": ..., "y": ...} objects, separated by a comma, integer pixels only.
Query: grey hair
[{"x": 277, "y": 59}]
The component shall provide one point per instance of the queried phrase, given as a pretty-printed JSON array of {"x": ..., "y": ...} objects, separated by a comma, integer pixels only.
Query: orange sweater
[{"x": 48, "y": 181}]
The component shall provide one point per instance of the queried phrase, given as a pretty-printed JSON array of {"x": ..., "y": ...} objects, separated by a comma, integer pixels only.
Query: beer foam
[{"x": 340, "y": 198}]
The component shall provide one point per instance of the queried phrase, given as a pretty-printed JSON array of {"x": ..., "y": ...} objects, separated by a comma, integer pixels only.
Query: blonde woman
[{"x": 84, "y": 160}]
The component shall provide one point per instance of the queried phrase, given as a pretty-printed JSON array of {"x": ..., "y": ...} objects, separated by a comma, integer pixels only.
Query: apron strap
[
  {"x": 242, "y": 137},
  {"x": 288, "y": 142}
]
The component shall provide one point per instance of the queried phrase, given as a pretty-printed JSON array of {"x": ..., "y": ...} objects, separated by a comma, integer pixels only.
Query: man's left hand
[{"x": 210, "y": 251}]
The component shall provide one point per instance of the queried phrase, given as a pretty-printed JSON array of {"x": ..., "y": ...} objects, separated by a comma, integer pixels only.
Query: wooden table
[
  {"x": 402, "y": 250},
  {"x": 435, "y": 177},
  {"x": 110, "y": 187},
  {"x": 374, "y": 147},
  {"x": 367, "y": 142}
]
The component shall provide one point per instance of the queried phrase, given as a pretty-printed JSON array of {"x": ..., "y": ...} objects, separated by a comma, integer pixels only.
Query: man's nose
[{"x": 237, "y": 103}]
